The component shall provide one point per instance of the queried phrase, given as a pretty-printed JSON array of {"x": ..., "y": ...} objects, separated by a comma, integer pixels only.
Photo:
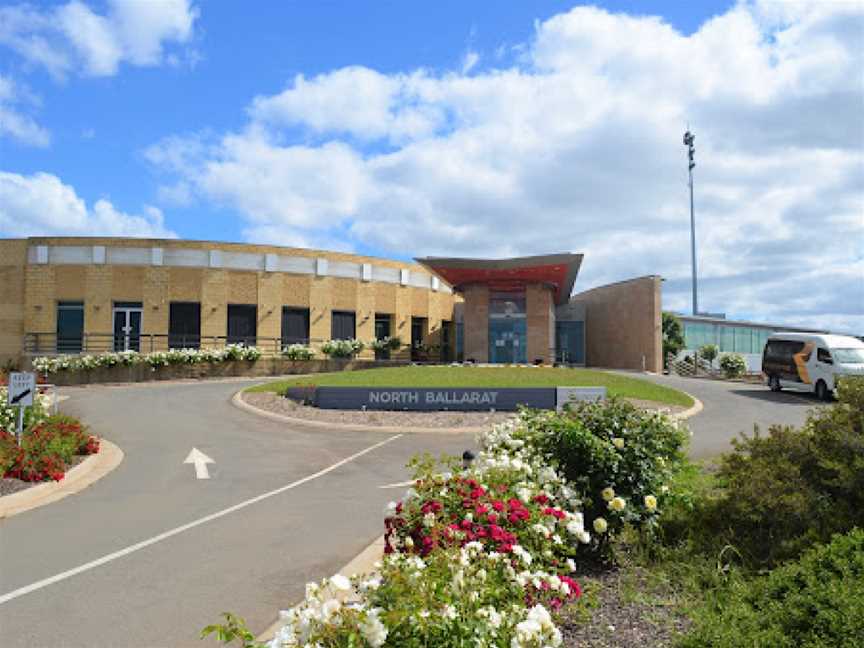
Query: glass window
[
  {"x": 184, "y": 325},
  {"x": 70, "y": 327},
  {"x": 507, "y": 340},
  {"x": 242, "y": 324},
  {"x": 570, "y": 342},
  {"x": 727, "y": 339},
  {"x": 822, "y": 355},
  {"x": 342, "y": 325},
  {"x": 295, "y": 325},
  {"x": 382, "y": 325},
  {"x": 418, "y": 337},
  {"x": 506, "y": 303}
]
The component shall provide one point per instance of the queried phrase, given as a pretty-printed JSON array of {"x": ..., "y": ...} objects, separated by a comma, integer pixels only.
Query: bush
[
  {"x": 46, "y": 450},
  {"x": 709, "y": 352},
  {"x": 733, "y": 365},
  {"x": 618, "y": 458},
  {"x": 817, "y": 601},
  {"x": 298, "y": 352},
  {"x": 781, "y": 493},
  {"x": 49, "y": 365},
  {"x": 386, "y": 343},
  {"x": 342, "y": 348}
]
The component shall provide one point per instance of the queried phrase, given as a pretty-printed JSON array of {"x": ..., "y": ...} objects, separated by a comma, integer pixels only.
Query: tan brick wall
[
  {"x": 623, "y": 324},
  {"x": 539, "y": 321},
  {"x": 476, "y": 323},
  {"x": 13, "y": 255},
  {"x": 32, "y": 308}
]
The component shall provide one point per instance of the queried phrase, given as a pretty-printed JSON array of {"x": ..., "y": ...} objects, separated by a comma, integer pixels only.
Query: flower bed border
[{"x": 89, "y": 471}]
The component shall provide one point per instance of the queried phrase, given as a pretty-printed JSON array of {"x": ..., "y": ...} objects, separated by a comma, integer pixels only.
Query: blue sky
[{"x": 402, "y": 129}]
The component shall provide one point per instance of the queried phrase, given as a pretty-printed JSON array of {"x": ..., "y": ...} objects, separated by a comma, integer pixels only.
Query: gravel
[
  {"x": 624, "y": 610},
  {"x": 273, "y": 402}
]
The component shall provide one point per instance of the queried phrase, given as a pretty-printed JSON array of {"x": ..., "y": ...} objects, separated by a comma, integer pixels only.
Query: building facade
[{"x": 88, "y": 295}]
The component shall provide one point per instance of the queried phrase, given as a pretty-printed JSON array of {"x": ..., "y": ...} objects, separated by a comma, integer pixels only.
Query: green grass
[{"x": 449, "y": 376}]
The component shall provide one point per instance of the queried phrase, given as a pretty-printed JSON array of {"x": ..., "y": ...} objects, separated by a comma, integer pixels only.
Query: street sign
[{"x": 22, "y": 386}]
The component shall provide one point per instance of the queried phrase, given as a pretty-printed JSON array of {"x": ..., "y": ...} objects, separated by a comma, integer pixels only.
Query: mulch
[
  {"x": 623, "y": 608},
  {"x": 9, "y": 485}
]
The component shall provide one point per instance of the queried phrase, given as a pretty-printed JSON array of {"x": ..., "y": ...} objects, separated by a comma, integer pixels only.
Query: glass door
[{"x": 127, "y": 326}]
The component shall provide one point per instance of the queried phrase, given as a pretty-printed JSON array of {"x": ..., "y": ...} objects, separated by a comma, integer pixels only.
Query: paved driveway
[
  {"x": 150, "y": 554},
  {"x": 733, "y": 407},
  {"x": 253, "y": 560}
]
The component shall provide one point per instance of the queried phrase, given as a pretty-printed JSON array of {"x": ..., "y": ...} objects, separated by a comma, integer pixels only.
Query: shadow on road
[{"x": 801, "y": 399}]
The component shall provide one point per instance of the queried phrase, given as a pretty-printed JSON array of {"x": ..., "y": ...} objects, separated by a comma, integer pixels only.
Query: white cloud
[
  {"x": 578, "y": 147},
  {"x": 14, "y": 123},
  {"x": 42, "y": 205},
  {"x": 74, "y": 37}
]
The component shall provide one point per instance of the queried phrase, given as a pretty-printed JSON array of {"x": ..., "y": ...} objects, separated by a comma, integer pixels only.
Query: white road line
[
  {"x": 45, "y": 582},
  {"x": 410, "y": 482}
]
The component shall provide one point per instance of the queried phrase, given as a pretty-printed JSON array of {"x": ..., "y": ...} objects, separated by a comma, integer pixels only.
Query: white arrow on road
[{"x": 200, "y": 460}]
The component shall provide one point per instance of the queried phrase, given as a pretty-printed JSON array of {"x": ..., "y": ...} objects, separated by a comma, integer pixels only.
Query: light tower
[{"x": 691, "y": 162}]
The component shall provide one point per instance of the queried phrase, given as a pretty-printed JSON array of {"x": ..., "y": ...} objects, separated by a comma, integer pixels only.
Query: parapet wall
[{"x": 623, "y": 324}]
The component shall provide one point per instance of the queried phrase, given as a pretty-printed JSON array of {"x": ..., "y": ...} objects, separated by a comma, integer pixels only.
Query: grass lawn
[{"x": 449, "y": 376}]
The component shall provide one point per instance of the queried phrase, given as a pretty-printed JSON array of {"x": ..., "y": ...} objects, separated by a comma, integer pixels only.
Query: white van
[{"x": 811, "y": 362}]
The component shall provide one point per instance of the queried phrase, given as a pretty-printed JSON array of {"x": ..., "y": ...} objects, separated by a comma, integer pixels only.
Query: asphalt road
[
  {"x": 251, "y": 561},
  {"x": 734, "y": 407},
  {"x": 155, "y": 568}
]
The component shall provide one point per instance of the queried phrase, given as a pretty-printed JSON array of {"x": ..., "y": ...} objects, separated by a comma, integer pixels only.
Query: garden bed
[{"x": 490, "y": 376}]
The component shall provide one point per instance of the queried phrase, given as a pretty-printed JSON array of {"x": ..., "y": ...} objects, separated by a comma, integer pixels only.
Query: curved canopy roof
[{"x": 556, "y": 270}]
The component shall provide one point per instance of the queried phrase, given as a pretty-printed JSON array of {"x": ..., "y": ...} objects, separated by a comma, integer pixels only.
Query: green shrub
[
  {"x": 733, "y": 365},
  {"x": 817, "y": 601},
  {"x": 613, "y": 452},
  {"x": 709, "y": 352},
  {"x": 342, "y": 348},
  {"x": 782, "y": 492}
]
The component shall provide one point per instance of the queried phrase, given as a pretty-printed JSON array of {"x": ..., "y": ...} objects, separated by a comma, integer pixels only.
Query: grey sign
[{"x": 432, "y": 398}]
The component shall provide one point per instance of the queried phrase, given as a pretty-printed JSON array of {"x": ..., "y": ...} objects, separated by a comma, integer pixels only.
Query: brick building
[{"x": 86, "y": 295}]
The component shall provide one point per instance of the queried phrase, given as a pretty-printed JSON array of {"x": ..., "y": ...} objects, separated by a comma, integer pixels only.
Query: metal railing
[{"x": 48, "y": 344}]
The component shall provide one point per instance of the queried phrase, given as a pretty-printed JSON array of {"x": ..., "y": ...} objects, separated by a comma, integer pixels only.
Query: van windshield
[{"x": 848, "y": 356}]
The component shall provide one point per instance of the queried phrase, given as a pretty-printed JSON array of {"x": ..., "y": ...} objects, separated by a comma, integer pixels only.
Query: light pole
[{"x": 691, "y": 151}]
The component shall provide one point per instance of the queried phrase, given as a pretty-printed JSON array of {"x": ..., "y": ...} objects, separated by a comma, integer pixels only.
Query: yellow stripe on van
[{"x": 801, "y": 359}]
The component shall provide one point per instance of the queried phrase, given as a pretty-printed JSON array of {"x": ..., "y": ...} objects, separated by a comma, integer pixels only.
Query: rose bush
[
  {"x": 342, "y": 348},
  {"x": 298, "y": 352},
  {"x": 46, "y": 450},
  {"x": 485, "y": 555}
]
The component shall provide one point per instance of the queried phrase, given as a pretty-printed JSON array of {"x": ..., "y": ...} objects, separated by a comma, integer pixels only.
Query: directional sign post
[{"x": 22, "y": 386}]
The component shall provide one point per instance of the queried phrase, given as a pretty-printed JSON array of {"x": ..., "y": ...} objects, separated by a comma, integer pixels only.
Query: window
[
  {"x": 70, "y": 327},
  {"x": 184, "y": 325},
  {"x": 382, "y": 325},
  {"x": 242, "y": 324},
  {"x": 418, "y": 336},
  {"x": 822, "y": 355},
  {"x": 342, "y": 325},
  {"x": 570, "y": 342},
  {"x": 295, "y": 325}
]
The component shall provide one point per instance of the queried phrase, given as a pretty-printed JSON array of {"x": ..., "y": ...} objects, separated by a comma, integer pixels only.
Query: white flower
[
  {"x": 341, "y": 583},
  {"x": 618, "y": 442},
  {"x": 617, "y": 504},
  {"x": 373, "y": 631},
  {"x": 600, "y": 525},
  {"x": 449, "y": 612},
  {"x": 650, "y": 502},
  {"x": 608, "y": 493}
]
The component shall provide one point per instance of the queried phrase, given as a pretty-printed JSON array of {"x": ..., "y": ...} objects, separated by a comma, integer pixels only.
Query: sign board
[
  {"x": 432, "y": 399},
  {"x": 574, "y": 395},
  {"x": 22, "y": 386}
]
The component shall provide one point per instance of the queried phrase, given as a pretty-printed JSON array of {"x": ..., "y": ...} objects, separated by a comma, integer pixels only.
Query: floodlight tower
[{"x": 691, "y": 151}]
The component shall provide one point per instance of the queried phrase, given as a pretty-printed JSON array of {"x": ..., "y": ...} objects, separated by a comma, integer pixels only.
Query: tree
[
  {"x": 673, "y": 335},
  {"x": 709, "y": 352}
]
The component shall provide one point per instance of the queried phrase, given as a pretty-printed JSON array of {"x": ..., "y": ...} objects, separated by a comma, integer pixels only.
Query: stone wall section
[
  {"x": 623, "y": 324},
  {"x": 476, "y": 323}
]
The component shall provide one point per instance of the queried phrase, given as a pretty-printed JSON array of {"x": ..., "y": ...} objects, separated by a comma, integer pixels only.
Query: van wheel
[
  {"x": 774, "y": 383},
  {"x": 822, "y": 392}
]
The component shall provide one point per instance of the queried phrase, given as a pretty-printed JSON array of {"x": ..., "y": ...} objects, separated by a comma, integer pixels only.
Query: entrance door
[
  {"x": 127, "y": 326},
  {"x": 507, "y": 341}
]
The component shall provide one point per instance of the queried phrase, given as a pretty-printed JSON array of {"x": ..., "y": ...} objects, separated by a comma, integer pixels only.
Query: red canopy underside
[{"x": 554, "y": 275}]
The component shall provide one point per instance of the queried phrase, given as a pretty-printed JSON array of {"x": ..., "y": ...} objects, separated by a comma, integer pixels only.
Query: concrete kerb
[
  {"x": 362, "y": 563},
  {"x": 89, "y": 471},
  {"x": 237, "y": 401}
]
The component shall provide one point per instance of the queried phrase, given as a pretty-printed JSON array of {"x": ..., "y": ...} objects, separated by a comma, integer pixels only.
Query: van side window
[{"x": 822, "y": 355}]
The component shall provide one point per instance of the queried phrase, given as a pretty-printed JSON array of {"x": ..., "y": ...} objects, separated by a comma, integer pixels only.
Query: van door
[{"x": 824, "y": 367}]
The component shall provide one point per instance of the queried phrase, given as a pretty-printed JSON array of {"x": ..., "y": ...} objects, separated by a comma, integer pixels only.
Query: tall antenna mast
[{"x": 691, "y": 162}]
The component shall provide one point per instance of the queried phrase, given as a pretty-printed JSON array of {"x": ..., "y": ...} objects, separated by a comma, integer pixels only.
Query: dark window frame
[
  {"x": 339, "y": 324},
  {"x": 178, "y": 339},
  {"x": 287, "y": 312},
  {"x": 242, "y": 337},
  {"x": 72, "y": 342}
]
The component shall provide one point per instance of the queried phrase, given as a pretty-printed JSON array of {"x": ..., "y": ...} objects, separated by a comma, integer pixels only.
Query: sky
[{"x": 485, "y": 129}]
